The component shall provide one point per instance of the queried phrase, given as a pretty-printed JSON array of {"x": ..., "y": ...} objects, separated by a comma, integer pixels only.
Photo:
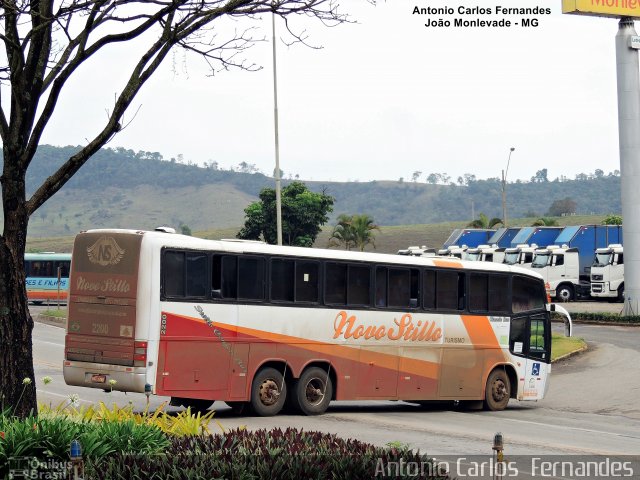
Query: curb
[
  {"x": 571, "y": 354},
  {"x": 51, "y": 320}
]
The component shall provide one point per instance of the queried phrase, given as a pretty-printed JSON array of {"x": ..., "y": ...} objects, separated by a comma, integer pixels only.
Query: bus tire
[
  {"x": 498, "y": 390},
  {"x": 268, "y": 392},
  {"x": 564, "y": 293},
  {"x": 312, "y": 392}
]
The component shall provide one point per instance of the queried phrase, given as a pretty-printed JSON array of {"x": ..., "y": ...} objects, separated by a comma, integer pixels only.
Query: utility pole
[
  {"x": 277, "y": 140},
  {"x": 504, "y": 189}
]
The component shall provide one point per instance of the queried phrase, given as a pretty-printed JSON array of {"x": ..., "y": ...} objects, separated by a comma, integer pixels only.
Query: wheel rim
[
  {"x": 314, "y": 391},
  {"x": 269, "y": 392},
  {"x": 499, "y": 391},
  {"x": 565, "y": 294}
]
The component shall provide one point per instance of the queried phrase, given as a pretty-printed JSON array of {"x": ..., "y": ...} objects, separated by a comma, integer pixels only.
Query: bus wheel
[
  {"x": 268, "y": 392},
  {"x": 498, "y": 391},
  {"x": 313, "y": 391},
  {"x": 564, "y": 293}
]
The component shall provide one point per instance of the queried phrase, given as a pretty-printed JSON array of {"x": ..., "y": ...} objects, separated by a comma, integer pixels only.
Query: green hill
[{"x": 122, "y": 188}]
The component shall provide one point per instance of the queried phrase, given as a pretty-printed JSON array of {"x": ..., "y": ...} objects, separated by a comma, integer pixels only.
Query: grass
[
  {"x": 561, "y": 345},
  {"x": 58, "y": 313}
]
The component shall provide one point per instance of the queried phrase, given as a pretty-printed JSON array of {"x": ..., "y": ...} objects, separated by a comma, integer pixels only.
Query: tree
[
  {"x": 185, "y": 230},
  {"x": 540, "y": 176},
  {"x": 415, "y": 175},
  {"x": 612, "y": 219},
  {"x": 46, "y": 43},
  {"x": 566, "y": 206},
  {"x": 545, "y": 222},
  {"x": 303, "y": 213},
  {"x": 483, "y": 222},
  {"x": 355, "y": 231},
  {"x": 342, "y": 234}
]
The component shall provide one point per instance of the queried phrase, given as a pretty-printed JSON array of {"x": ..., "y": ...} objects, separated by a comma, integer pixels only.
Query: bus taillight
[{"x": 140, "y": 354}]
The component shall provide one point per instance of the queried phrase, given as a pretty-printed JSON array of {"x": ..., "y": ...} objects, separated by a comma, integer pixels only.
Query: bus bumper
[{"x": 100, "y": 375}]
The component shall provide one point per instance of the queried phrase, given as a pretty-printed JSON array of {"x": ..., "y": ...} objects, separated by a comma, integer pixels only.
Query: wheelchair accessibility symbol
[{"x": 535, "y": 369}]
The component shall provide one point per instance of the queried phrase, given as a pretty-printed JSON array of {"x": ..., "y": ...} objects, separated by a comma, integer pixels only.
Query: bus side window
[
  {"x": 173, "y": 274},
  {"x": 282, "y": 280},
  {"x": 450, "y": 290},
  {"x": 429, "y": 289},
  {"x": 381, "y": 287},
  {"x": 537, "y": 347},
  {"x": 359, "y": 285},
  {"x": 307, "y": 273},
  {"x": 197, "y": 281},
  {"x": 478, "y": 292},
  {"x": 498, "y": 293},
  {"x": 335, "y": 283},
  {"x": 251, "y": 278},
  {"x": 400, "y": 290}
]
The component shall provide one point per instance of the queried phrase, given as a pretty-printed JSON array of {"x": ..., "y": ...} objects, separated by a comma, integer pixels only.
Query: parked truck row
[{"x": 583, "y": 261}]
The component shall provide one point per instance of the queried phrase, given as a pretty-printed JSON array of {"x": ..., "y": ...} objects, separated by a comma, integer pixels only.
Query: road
[{"x": 592, "y": 406}]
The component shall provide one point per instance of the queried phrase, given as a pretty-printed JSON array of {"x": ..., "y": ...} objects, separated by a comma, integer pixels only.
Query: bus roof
[
  {"x": 47, "y": 256},
  {"x": 172, "y": 240}
]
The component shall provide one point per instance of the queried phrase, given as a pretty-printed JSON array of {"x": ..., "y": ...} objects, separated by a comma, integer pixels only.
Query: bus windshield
[{"x": 540, "y": 260}]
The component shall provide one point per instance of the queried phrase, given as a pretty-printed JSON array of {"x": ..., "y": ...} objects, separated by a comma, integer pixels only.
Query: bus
[
  {"x": 268, "y": 326},
  {"x": 47, "y": 276}
]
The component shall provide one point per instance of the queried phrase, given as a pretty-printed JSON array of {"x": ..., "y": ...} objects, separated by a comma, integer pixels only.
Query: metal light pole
[
  {"x": 504, "y": 189},
  {"x": 628, "y": 127},
  {"x": 275, "y": 119}
]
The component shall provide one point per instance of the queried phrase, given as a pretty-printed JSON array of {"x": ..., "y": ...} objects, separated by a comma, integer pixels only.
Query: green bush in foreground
[{"x": 275, "y": 454}]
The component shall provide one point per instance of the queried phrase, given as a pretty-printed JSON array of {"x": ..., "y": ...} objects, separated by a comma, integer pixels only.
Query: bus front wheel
[
  {"x": 268, "y": 392},
  {"x": 312, "y": 392},
  {"x": 498, "y": 391}
]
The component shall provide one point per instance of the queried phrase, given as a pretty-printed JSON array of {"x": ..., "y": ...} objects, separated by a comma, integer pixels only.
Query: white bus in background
[
  {"x": 259, "y": 325},
  {"x": 486, "y": 253},
  {"x": 607, "y": 273},
  {"x": 521, "y": 255}
]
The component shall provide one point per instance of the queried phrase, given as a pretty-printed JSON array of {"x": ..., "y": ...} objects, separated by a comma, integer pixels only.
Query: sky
[{"x": 382, "y": 99}]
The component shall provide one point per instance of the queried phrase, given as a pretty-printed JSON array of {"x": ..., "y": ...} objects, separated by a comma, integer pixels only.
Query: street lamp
[{"x": 504, "y": 189}]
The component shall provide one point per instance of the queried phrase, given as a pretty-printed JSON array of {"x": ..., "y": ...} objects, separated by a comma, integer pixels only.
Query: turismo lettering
[
  {"x": 347, "y": 327},
  {"x": 110, "y": 285}
]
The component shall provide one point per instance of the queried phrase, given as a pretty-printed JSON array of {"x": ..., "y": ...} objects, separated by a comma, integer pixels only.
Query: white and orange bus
[{"x": 261, "y": 325}]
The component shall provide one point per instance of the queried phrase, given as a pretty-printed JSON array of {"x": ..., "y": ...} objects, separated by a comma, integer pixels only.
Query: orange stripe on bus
[
  {"x": 423, "y": 368},
  {"x": 46, "y": 294},
  {"x": 480, "y": 331},
  {"x": 447, "y": 263}
]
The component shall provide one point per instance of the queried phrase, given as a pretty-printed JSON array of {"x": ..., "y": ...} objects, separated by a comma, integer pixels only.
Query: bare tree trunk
[{"x": 16, "y": 324}]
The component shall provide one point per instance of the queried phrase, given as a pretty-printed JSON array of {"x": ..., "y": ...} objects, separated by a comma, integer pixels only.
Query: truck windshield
[
  {"x": 473, "y": 256},
  {"x": 602, "y": 259},
  {"x": 540, "y": 260},
  {"x": 511, "y": 258}
]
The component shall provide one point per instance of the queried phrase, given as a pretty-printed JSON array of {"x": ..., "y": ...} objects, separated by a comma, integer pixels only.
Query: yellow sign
[{"x": 603, "y": 8}]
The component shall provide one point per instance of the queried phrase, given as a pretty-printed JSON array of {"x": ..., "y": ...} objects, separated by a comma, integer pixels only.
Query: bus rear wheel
[
  {"x": 498, "y": 391},
  {"x": 312, "y": 392},
  {"x": 268, "y": 392}
]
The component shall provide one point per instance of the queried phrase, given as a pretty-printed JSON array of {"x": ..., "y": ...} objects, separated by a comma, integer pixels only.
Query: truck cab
[
  {"x": 560, "y": 267},
  {"x": 607, "y": 273},
  {"x": 454, "y": 251},
  {"x": 486, "y": 253},
  {"x": 521, "y": 255},
  {"x": 415, "y": 251}
]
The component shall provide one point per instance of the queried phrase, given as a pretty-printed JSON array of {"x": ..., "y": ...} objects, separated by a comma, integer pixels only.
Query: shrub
[
  {"x": 602, "y": 317},
  {"x": 277, "y": 454}
]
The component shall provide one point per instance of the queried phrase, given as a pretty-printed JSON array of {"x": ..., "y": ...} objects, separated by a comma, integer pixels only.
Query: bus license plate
[{"x": 98, "y": 378}]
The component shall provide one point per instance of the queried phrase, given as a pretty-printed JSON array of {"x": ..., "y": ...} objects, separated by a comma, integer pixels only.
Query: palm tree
[
  {"x": 363, "y": 227},
  {"x": 342, "y": 233},
  {"x": 483, "y": 222},
  {"x": 545, "y": 222},
  {"x": 354, "y": 231}
]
